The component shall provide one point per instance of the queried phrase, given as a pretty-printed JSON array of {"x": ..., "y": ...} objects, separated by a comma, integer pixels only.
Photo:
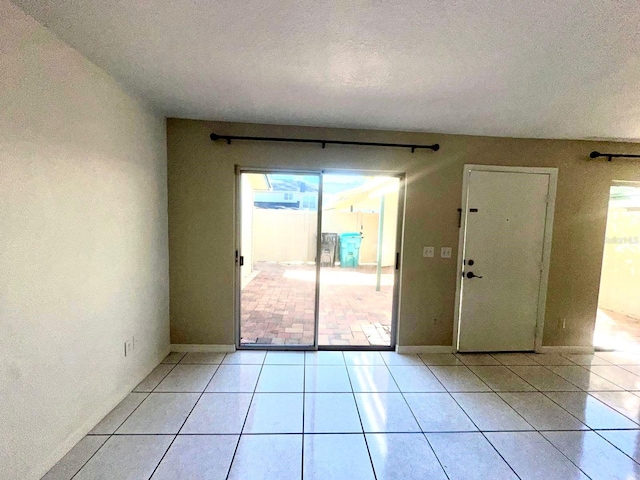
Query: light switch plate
[
  {"x": 445, "y": 252},
  {"x": 427, "y": 252}
]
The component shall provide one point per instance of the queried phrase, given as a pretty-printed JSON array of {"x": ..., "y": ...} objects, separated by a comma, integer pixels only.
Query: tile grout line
[
  {"x": 173, "y": 366},
  {"x": 474, "y": 423},
  {"x": 465, "y": 391},
  {"x": 561, "y": 452},
  {"x": 414, "y": 415},
  {"x": 623, "y": 414},
  {"x": 537, "y": 430},
  {"x": 187, "y": 416},
  {"x": 89, "y": 459},
  {"x": 536, "y": 389},
  {"x": 255, "y": 387},
  {"x": 534, "y": 428},
  {"x": 597, "y": 432},
  {"x": 113, "y": 434},
  {"x": 364, "y": 436},
  {"x": 608, "y": 380},
  {"x": 575, "y": 365},
  {"x": 590, "y": 429},
  {"x": 497, "y": 393},
  {"x": 544, "y": 393},
  {"x": 127, "y": 418},
  {"x": 546, "y": 396},
  {"x": 484, "y": 436}
]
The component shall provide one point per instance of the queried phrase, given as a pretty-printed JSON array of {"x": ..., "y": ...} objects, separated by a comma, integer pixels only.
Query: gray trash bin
[{"x": 328, "y": 249}]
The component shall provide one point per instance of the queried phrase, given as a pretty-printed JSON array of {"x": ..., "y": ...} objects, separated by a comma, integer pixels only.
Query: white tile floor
[{"x": 369, "y": 415}]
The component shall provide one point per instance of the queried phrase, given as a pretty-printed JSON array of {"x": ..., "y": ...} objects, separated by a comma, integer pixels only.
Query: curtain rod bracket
[{"x": 214, "y": 136}]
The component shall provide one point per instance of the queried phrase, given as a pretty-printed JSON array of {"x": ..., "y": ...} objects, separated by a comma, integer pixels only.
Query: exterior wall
[
  {"x": 297, "y": 241},
  {"x": 284, "y": 235},
  {"x": 201, "y": 198}
]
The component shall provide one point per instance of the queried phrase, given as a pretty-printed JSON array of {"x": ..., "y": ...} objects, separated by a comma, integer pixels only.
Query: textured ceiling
[{"x": 541, "y": 68}]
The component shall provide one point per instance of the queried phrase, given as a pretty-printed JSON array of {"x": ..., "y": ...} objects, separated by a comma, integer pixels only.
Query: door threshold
[{"x": 325, "y": 348}]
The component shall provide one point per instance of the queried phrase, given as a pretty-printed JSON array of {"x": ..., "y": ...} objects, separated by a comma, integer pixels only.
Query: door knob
[{"x": 473, "y": 275}]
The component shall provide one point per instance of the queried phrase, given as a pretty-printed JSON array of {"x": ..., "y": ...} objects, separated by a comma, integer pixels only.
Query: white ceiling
[{"x": 530, "y": 68}]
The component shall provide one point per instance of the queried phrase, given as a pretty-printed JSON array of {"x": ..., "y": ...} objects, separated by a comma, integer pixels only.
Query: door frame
[
  {"x": 395, "y": 304},
  {"x": 395, "y": 308},
  {"x": 238, "y": 248},
  {"x": 546, "y": 248}
]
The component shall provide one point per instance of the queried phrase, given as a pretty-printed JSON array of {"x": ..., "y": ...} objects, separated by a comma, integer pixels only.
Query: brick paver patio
[{"x": 278, "y": 306}]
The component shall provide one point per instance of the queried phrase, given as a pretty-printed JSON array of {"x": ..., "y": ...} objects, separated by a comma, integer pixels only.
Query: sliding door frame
[
  {"x": 395, "y": 308},
  {"x": 238, "y": 249},
  {"x": 395, "y": 305}
]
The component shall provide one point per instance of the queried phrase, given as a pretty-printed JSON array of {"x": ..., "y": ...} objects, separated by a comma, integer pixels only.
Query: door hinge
[
  {"x": 397, "y": 260},
  {"x": 239, "y": 259}
]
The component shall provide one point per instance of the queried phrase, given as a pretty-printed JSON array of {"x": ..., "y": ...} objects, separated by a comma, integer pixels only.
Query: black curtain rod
[
  {"x": 435, "y": 147},
  {"x": 610, "y": 156}
]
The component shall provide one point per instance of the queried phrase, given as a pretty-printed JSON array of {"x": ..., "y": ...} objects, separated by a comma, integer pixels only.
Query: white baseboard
[
  {"x": 566, "y": 349},
  {"x": 194, "y": 347},
  {"x": 413, "y": 349}
]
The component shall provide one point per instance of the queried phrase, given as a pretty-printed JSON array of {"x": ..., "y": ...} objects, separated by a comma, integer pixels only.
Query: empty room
[{"x": 306, "y": 240}]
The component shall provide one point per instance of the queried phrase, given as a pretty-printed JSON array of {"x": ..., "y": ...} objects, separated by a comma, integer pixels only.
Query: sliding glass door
[
  {"x": 317, "y": 259},
  {"x": 276, "y": 259}
]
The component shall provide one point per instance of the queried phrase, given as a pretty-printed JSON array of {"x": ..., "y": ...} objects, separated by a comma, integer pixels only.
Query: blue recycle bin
[{"x": 350, "y": 249}]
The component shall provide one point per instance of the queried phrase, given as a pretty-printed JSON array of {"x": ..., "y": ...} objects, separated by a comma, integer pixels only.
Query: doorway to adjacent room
[{"x": 618, "y": 318}]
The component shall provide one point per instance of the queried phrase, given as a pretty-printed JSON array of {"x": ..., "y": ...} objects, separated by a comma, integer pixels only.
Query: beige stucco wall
[
  {"x": 83, "y": 245},
  {"x": 290, "y": 235},
  {"x": 201, "y": 220}
]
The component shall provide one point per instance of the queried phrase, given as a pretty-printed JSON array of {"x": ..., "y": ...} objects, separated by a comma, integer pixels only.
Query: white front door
[{"x": 503, "y": 239}]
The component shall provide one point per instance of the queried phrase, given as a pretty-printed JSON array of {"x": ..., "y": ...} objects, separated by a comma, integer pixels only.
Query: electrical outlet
[
  {"x": 128, "y": 348},
  {"x": 427, "y": 252},
  {"x": 445, "y": 252}
]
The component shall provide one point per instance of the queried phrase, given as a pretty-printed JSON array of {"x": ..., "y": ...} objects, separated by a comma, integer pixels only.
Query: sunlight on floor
[{"x": 615, "y": 331}]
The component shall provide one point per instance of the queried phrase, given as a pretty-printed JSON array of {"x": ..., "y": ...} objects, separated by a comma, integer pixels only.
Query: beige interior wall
[
  {"x": 201, "y": 199},
  {"x": 83, "y": 245}
]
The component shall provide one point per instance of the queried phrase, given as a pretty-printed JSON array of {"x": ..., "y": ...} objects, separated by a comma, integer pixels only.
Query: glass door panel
[
  {"x": 358, "y": 256},
  {"x": 278, "y": 248}
]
